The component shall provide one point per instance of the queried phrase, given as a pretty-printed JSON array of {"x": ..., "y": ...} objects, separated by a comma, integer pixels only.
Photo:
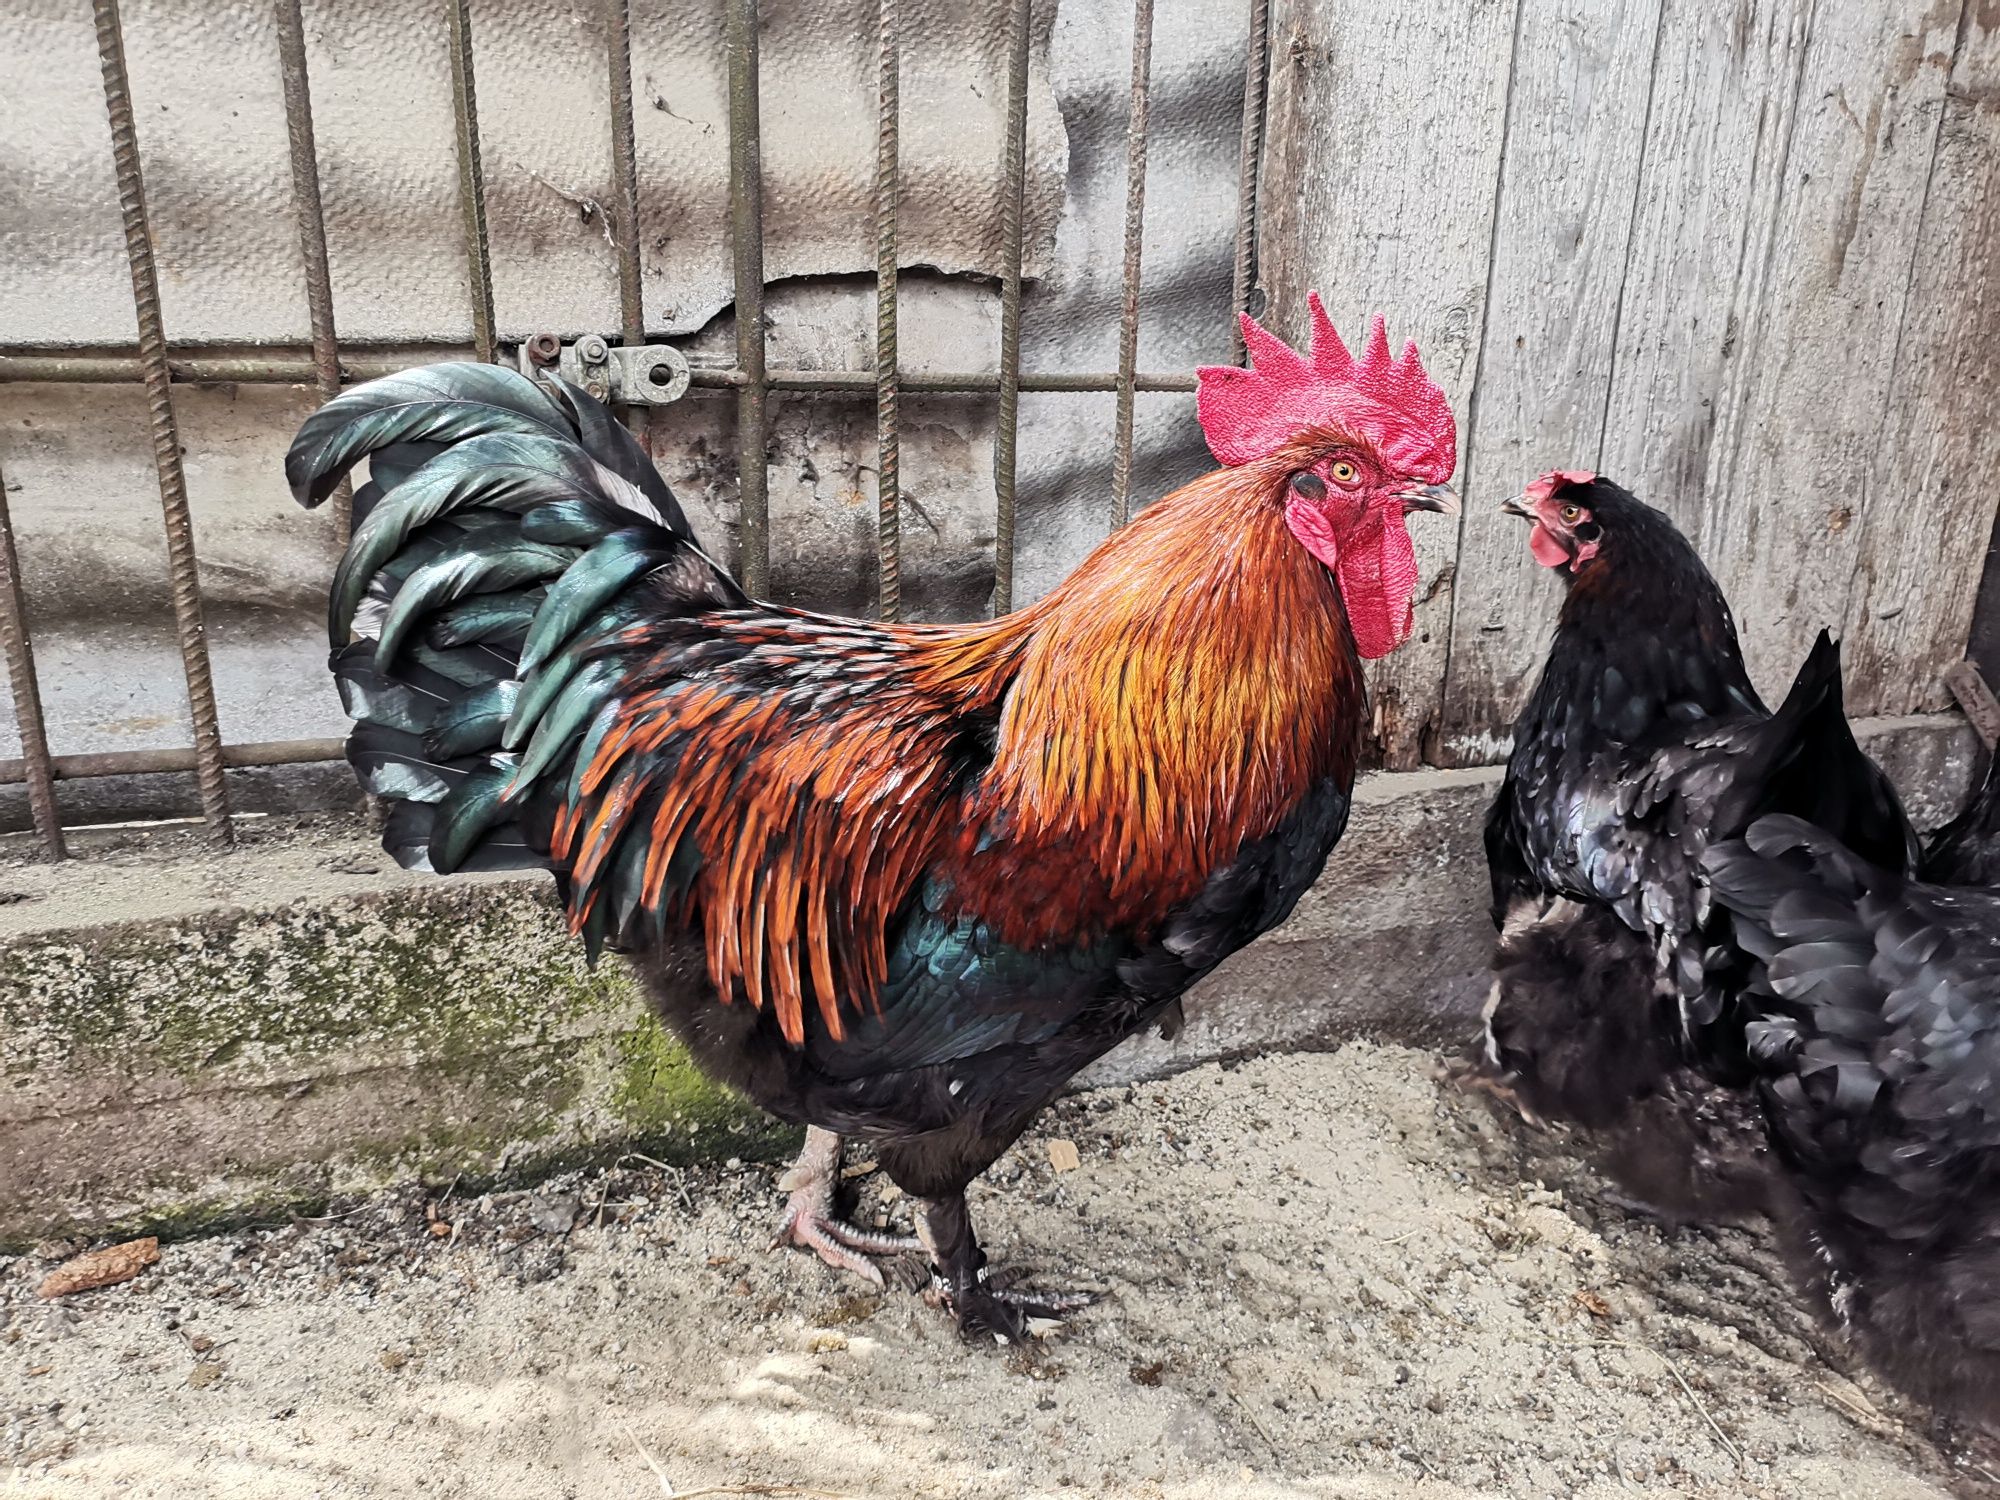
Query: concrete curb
[{"x": 189, "y": 1037}]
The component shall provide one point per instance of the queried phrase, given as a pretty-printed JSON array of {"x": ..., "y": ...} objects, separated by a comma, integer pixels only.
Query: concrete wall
[
  {"x": 1742, "y": 258},
  {"x": 187, "y": 1036}
]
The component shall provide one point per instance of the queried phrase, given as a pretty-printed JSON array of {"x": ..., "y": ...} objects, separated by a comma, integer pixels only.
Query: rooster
[
  {"x": 896, "y": 882},
  {"x": 1643, "y": 741}
]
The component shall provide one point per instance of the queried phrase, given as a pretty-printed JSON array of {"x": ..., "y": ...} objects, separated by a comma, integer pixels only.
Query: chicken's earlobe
[{"x": 1309, "y": 524}]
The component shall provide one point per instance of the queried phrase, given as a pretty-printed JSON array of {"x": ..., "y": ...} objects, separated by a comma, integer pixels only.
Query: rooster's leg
[
  {"x": 960, "y": 1280},
  {"x": 811, "y": 1223}
]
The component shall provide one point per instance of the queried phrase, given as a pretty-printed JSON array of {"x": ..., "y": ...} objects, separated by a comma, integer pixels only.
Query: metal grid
[{"x": 159, "y": 367}]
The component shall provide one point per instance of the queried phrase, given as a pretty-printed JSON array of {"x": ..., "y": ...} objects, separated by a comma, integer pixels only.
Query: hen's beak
[
  {"x": 1441, "y": 498},
  {"x": 1517, "y": 505}
]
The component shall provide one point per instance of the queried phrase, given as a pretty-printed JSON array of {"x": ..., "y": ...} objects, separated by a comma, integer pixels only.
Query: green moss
[
  {"x": 658, "y": 1096},
  {"x": 431, "y": 1033},
  {"x": 444, "y": 973}
]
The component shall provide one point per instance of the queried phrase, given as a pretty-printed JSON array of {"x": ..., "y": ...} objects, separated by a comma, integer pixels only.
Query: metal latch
[
  {"x": 1968, "y": 686},
  {"x": 638, "y": 375}
]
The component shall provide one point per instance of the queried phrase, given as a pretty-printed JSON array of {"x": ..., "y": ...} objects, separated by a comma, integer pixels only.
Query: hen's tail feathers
[
  {"x": 1803, "y": 764},
  {"x": 1817, "y": 771},
  {"x": 1966, "y": 851},
  {"x": 507, "y": 543}
]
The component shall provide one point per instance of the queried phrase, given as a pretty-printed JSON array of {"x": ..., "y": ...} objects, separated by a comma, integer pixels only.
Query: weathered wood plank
[
  {"x": 1772, "y": 258},
  {"x": 1386, "y": 128},
  {"x": 1582, "y": 72},
  {"x": 1937, "y": 470},
  {"x": 1724, "y": 89}
]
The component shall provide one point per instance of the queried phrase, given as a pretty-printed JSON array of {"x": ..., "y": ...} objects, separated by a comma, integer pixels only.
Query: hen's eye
[
  {"x": 1570, "y": 514},
  {"x": 1308, "y": 486},
  {"x": 1344, "y": 473}
]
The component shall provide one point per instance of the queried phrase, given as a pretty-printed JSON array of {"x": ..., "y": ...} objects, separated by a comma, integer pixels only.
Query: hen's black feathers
[
  {"x": 1877, "y": 1049},
  {"x": 1966, "y": 851}
]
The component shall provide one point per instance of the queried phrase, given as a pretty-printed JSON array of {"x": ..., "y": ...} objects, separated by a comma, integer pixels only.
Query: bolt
[
  {"x": 592, "y": 350},
  {"x": 544, "y": 349}
]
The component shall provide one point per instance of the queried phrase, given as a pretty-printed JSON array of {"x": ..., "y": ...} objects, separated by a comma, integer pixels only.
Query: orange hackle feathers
[
  {"x": 1154, "y": 727},
  {"x": 1167, "y": 702}
]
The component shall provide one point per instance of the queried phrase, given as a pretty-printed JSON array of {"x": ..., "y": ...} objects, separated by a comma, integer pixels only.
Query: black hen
[
  {"x": 1877, "y": 1050},
  {"x": 1643, "y": 741}
]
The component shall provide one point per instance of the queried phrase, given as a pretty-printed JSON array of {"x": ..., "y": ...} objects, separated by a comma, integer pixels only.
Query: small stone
[
  {"x": 205, "y": 1374},
  {"x": 553, "y": 1213},
  {"x": 1063, "y": 1155}
]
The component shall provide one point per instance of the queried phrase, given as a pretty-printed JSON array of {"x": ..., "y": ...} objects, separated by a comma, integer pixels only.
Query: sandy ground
[{"x": 1322, "y": 1275}]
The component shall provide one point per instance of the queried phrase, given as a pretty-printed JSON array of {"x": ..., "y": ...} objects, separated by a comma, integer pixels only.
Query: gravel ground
[{"x": 1322, "y": 1275}]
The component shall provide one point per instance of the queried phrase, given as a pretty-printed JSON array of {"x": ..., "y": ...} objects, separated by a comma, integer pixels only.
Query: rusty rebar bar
[
  {"x": 1135, "y": 231},
  {"x": 625, "y": 190},
  {"x": 311, "y": 214},
  {"x": 888, "y": 445},
  {"x": 624, "y": 170},
  {"x": 37, "y": 768},
  {"x": 186, "y": 589},
  {"x": 112, "y": 368},
  {"x": 1249, "y": 158},
  {"x": 746, "y": 229},
  {"x": 1013, "y": 210},
  {"x": 156, "y": 762},
  {"x": 471, "y": 177}
]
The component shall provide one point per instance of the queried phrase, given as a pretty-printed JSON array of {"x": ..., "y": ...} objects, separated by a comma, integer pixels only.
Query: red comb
[
  {"x": 1249, "y": 414},
  {"x": 1555, "y": 479}
]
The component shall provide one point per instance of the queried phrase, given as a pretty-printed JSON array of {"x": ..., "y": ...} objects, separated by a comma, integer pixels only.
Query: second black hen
[{"x": 1876, "y": 1041}]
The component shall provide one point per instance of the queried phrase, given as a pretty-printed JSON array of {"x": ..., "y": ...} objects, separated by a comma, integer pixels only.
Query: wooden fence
[{"x": 1742, "y": 256}]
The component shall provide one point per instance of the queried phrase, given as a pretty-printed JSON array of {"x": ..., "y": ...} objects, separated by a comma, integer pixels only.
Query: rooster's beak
[
  {"x": 1517, "y": 505},
  {"x": 1441, "y": 498}
]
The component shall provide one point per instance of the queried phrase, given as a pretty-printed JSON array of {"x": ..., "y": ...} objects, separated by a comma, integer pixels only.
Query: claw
[
  {"x": 841, "y": 1245},
  {"x": 1471, "y": 1078},
  {"x": 810, "y": 1222},
  {"x": 1008, "y": 1315}
]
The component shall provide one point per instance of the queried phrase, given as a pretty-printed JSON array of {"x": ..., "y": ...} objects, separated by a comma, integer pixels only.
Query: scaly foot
[
  {"x": 811, "y": 1223},
  {"x": 986, "y": 1306}
]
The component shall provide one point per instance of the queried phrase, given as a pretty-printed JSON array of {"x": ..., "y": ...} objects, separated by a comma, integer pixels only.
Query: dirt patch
[{"x": 1322, "y": 1276}]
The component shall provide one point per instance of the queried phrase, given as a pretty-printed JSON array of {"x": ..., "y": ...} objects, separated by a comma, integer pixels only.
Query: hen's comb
[
  {"x": 1250, "y": 414},
  {"x": 1556, "y": 479}
]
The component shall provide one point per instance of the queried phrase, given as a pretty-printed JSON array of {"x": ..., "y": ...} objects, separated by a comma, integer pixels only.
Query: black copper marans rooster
[{"x": 893, "y": 881}]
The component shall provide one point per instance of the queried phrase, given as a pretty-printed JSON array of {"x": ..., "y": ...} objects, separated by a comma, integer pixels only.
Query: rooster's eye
[
  {"x": 1570, "y": 513},
  {"x": 1345, "y": 474}
]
